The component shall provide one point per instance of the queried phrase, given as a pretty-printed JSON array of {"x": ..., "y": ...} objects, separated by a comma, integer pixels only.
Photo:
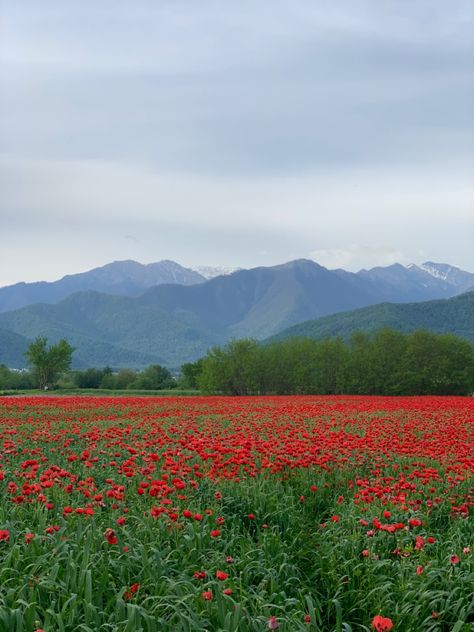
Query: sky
[{"x": 237, "y": 133}]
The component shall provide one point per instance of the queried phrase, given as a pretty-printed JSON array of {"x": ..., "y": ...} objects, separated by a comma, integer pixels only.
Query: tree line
[
  {"x": 385, "y": 363},
  {"x": 50, "y": 367}
]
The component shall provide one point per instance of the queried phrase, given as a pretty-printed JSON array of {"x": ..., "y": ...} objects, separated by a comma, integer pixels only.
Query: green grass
[{"x": 103, "y": 392}]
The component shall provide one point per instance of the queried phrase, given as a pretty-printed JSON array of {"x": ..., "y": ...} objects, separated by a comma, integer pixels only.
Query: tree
[
  {"x": 190, "y": 372},
  {"x": 49, "y": 362},
  {"x": 154, "y": 377}
]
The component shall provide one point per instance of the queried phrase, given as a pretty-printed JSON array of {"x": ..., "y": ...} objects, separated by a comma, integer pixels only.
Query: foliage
[
  {"x": 155, "y": 377},
  {"x": 49, "y": 362},
  {"x": 454, "y": 315},
  {"x": 386, "y": 363}
]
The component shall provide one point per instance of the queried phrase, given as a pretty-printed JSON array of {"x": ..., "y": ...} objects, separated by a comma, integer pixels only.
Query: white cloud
[{"x": 355, "y": 257}]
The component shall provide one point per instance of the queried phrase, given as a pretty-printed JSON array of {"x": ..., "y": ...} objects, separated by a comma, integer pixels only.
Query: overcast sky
[{"x": 235, "y": 133}]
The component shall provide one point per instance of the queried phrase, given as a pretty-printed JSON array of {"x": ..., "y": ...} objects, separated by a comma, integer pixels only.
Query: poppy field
[{"x": 254, "y": 513}]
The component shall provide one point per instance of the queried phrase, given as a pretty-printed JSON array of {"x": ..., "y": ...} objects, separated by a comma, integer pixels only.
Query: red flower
[
  {"x": 199, "y": 574},
  {"x": 29, "y": 537},
  {"x": 454, "y": 559},
  {"x": 227, "y": 591},
  {"x": 110, "y": 536},
  {"x": 419, "y": 569},
  {"x": 221, "y": 575},
  {"x": 4, "y": 535},
  {"x": 207, "y": 595},
  {"x": 273, "y": 623},
  {"x": 131, "y": 591},
  {"x": 382, "y": 624},
  {"x": 215, "y": 533}
]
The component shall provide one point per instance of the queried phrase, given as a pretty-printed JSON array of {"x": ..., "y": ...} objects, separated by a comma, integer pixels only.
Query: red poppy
[
  {"x": 110, "y": 536},
  {"x": 382, "y": 624}
]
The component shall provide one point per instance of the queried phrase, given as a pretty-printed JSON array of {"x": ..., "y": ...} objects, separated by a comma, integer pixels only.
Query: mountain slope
[
  {"x": 127, "y": 278},
  {"x": 172, "y": 324},
  {"x": 454, "y": 315},
  {"x": 177, "y": 323},
  {"x": 12, "y": 349}
]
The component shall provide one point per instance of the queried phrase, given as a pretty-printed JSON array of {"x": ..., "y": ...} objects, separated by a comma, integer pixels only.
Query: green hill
[
  {"x": 453, "y": 315},
  {"x": 12, "y": 349}
]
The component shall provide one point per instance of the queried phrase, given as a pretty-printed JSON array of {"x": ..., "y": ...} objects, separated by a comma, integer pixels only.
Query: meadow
[{"x": 189, "y": 514}]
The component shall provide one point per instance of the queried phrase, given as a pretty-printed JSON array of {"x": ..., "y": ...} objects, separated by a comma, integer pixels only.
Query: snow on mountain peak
[{"x": 209, "y": 272}]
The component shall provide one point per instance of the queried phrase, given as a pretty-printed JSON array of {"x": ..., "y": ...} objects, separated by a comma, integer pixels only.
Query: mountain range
[
  {"x": 129, "y": 314},
  {"x": 454, "y": 315},
  {"x": 127, "y": 278}
]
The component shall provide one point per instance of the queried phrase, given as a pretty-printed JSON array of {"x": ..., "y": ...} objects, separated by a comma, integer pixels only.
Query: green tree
[
  {"x": 231, "y": 370},
  {"x": 190, "y": 372},
  {"x": 154, "y": 377},
  {"x": 49, "y": 362}
]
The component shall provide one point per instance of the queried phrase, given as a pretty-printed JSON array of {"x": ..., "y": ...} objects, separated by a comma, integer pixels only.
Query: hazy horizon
[
  {"x": 195, "y": 267},
  {"x": 237, "y": 134}
]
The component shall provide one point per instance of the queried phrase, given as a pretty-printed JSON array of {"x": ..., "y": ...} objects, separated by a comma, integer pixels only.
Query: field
[{"x": 249, "y": 514}]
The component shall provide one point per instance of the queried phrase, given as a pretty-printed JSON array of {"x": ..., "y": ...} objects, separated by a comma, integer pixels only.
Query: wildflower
[
  {"x": 227, "y": 591},
  {"x": 215, "y": 533},
  {"x": 207, "y": 595},
  {"x": 307, "y": 618},
  {"x": 29, "y": 537},
  {"x": 131, "y": 591},
  {"x": 454, "y": 559},
  {"x": 4, "y": 535},
  {"x": 419, "y": 569},
  {"x": 382, "y": 624},
  {"x": 220, "y": 575},
  {"x": 273, "y": 623},
  {"x": 419, "y": 543},
  {"x": 199, "y": 574},
  {"x": 466, "y": 550},
  {"x": 110, "y": 536}
]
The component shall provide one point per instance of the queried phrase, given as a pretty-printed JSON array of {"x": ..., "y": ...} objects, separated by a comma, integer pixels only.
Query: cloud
[
  {"x": 235, "y": 133},
  {"x": 355, "y": 257}
]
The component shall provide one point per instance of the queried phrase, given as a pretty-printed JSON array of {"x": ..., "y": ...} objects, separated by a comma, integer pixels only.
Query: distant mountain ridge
[
  {"x": 130, "y": 278},
  {"x": 454, "y": 315},
  {"x": 127, "y": 278},
  {"x": 172, "y": 323}
]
